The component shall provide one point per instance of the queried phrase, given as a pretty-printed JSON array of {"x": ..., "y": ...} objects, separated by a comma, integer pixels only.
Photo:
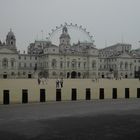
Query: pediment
[{"x": 6, "y": 50}]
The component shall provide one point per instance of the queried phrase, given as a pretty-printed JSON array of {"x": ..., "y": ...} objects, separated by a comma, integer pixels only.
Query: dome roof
[{"x": 10, "y": 34}]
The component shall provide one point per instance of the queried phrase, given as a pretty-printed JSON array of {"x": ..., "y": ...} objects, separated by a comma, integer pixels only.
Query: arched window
[{"x": 5, "y": 63}]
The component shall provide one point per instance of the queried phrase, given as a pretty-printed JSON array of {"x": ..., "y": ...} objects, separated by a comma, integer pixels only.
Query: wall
[{"x": 15, "y": 87}]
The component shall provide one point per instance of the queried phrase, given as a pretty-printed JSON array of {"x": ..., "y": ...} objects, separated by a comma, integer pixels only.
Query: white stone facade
[{"x": 81, "y": 60}]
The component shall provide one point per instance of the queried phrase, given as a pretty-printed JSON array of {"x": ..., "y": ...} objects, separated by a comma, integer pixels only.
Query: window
[
  {"x": 25, "y": 65},
  {"x": 12, "y": 63},
  {"x": 24, "y": 73},
  {"x": 54, "y": 63},
  {"x": 73, "y": 63},
  {"x": 93, "y": 64},
  {"x": 12, "y": 43},
  {"x": 12, "y": 73},
  {"x": 130, "y": 66},
  {"x": 54, "y": 73},
  {"x": 61, "y": 74},
  {"x": 84, "y": 65},
  {"x": 5, "y": 63},
  {"x": 79, "y": 63},
  {"x": 12, "y": 37},
  {"x": 61, "y": 64},
  {"x": 46, "y": 64},
  {"x": 68, "y": 64},
  {"x": 126, "y": 65},
  {"x": 30, "y": 65}
]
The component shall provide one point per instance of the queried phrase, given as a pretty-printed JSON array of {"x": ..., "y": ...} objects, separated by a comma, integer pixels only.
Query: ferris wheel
[{"x": 75, "y": 27}]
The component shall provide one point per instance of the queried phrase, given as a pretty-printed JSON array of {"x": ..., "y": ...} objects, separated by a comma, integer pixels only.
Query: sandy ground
[{"x": 83, "y": 120}]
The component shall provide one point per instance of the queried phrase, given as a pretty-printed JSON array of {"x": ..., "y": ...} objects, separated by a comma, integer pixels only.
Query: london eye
[{"x": 77, "y": 33}]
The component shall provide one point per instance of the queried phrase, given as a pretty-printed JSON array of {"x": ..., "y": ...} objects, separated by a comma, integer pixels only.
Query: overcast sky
[{"x": 109, "y": 21}]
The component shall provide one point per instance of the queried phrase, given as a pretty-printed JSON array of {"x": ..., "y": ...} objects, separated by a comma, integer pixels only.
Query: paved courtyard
[{"x": 81, "y": 120}]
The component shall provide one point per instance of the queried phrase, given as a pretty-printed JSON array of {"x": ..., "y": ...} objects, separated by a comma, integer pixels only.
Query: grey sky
[{"x": 106, "y": 20}]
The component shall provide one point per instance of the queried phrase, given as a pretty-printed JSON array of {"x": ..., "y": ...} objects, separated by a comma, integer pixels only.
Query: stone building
[
  {"x": 117, "y": 59},
  {"x": 80, "y": 60}
]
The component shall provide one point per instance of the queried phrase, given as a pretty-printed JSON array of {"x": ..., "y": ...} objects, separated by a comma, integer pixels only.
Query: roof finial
[{"x": 10, "y": 29}]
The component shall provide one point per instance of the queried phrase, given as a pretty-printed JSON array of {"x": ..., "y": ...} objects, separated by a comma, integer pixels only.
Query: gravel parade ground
[{"x": 73, "y": 120}]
